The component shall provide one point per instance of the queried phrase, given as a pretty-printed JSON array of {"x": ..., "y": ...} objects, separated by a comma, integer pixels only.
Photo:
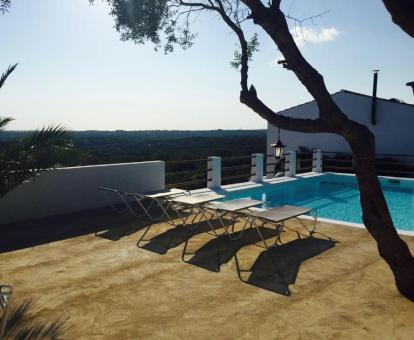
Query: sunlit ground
[{"x": 106, "y": 287}]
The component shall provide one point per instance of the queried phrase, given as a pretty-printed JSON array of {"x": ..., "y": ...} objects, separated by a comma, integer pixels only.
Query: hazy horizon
[
  {"x": 74, "y": 70},
  {"x": 166, "y": 130}
]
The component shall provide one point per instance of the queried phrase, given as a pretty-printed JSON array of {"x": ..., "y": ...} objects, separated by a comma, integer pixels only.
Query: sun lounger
[
  {"x": 219, "y": 211},
  {"x": 145, "y": 201},
  {"x": 185, "y": 207},
  {"x": 275, "y": 217},
  {"x": 231, "y": 209},
  {"x": 195, "y": 204}
]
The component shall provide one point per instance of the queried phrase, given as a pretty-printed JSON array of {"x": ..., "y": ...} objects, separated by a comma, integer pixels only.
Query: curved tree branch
[
  {"x": 250, "y": 99},
  {"x": 249, "y": 96},
  {"x": 402, "y": 13},
  {"x": 273, "y": 21}
]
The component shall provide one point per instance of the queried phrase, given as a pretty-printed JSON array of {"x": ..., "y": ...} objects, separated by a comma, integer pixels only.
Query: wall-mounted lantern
[{"x": 278, "y": 147}]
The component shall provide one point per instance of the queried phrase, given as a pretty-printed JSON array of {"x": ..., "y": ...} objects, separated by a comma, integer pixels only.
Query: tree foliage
[
  {"x": 4, "y": 121},
  {"x": 22, "y": 324},
  {"x": 155, "y": 21},
  {"x": 4, "y": 5},
  {"x": 167, "y": 25},
  {"x": 6, "y": 74},
  {"x": 252, "y": 46},
  {"x": 23, "y": 159}
]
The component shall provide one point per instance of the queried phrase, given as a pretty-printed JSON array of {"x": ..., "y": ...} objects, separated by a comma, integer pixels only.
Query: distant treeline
[{"x": 103, "y": 147}]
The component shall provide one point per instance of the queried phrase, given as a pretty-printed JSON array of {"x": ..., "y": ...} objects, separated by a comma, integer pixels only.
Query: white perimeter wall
[
  {"x": 394, "y": 131},
  {"x": 67, "y": 190}
]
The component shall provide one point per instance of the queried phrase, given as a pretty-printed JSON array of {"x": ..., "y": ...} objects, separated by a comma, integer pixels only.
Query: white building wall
[
  {"x": 394, "y": 131},
  {"x": 67, "y": 190}
]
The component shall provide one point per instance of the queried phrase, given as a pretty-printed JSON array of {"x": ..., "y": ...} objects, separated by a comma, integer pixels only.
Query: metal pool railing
[
  {"x": 186, "y": 174},
  {"x": 304, "y": 162},
  {"x": 194, "y": 174},
  {"x": 236, "y": 169},
  {"x": 270, "y": 164},
  {"x": 386, "y": 164}
]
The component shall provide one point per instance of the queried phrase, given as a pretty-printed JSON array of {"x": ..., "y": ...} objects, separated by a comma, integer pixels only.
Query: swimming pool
[{"x": 336, "y": 197}]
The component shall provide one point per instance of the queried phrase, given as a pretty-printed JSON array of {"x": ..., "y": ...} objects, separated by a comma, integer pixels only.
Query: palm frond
[
  {"x": 52, "y": 135},
  {"x": 23, "y": 159},
  {"x": 4, "y": 121},
  {"x": 22, "y": 324},
  {"x": 6, "y": 74}
]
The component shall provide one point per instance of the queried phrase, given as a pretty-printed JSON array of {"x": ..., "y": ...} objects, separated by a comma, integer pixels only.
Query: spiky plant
[
  {"x": 22, "y": 160},
  {"x": 6, "y": 74},
  {"x": 4, "y": 121},
  {"x": 22, "y": 324}
]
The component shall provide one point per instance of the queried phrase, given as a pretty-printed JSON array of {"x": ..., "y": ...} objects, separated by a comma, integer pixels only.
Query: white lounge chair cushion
[
  {"x": 235, "y": 205},
  {"x": 282, "y": 213},
  {"x": 197, "y": 198}
]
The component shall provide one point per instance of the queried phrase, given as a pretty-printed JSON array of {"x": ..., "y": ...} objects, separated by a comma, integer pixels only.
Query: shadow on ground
[
  {"x": 116, "y": 233},
  {"x": 221, "y": 249},
  {"x": 172, "y": 238},
  {"x": 32, "y": 233},
  {"x": 275, "y": 269}
]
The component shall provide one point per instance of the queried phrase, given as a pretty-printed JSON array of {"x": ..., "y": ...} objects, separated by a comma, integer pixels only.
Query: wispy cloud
[{"x": 306, "y": 35}]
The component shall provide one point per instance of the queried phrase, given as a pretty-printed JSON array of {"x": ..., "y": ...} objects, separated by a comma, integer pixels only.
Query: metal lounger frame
[
  {"x": 215, "y": 213},
  {"x": 203, "y": 210},
  {"x": 163, "y": 202},
  {"x": 196, "y": 209},
  {"x": 258, "y": 222}
]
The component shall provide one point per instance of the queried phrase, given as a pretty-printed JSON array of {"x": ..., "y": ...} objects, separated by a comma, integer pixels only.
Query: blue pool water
[{"x": 336, "y": 197}]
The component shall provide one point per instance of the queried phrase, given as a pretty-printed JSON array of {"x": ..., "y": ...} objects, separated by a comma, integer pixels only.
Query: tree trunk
[
  {"x": 332, "y": 119},
  {"x": 402, "y": 13},
  {"x": 377, "y": 218}
]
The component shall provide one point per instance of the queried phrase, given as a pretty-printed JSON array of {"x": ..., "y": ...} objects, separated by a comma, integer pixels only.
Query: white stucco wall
[
  {"x": 67, "y": 190},
  {"x": 394, "y": 131}
]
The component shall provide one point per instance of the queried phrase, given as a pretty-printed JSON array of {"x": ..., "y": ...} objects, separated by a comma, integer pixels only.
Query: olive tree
[{"x": 166, "y": 23}]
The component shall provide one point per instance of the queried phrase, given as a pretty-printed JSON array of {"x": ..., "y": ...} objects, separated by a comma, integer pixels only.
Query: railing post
[
  {"x": 213, "y": 172},
  {"x": 257, "y": 167},
  {"x": 317, "y": 160},
  {"x": 291, "y": 169}
]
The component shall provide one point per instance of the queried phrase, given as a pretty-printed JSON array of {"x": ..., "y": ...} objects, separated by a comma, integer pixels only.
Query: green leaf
[
  {"x": 22, "y": 160},
  {"x": 252, "y": 46},
  {"x": 6, "y": 74},
  {"x": 5, "y": 5},
  {"x": 4, "y": 121}
]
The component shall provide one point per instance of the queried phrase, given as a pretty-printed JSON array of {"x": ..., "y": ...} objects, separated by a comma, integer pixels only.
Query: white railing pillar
[
  {"x": 257, "y": 167},
  {"x": 291, "y": 166},
  {"x": 213, "y": 172},
  {"x": 317, "y": 161}
]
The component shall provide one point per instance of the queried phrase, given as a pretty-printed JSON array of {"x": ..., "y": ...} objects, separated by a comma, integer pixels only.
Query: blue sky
[{"x": 74, "y": 70}]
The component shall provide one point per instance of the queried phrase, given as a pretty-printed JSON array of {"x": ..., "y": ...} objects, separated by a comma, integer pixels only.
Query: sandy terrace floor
[{"x": 107, "y": 288}]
